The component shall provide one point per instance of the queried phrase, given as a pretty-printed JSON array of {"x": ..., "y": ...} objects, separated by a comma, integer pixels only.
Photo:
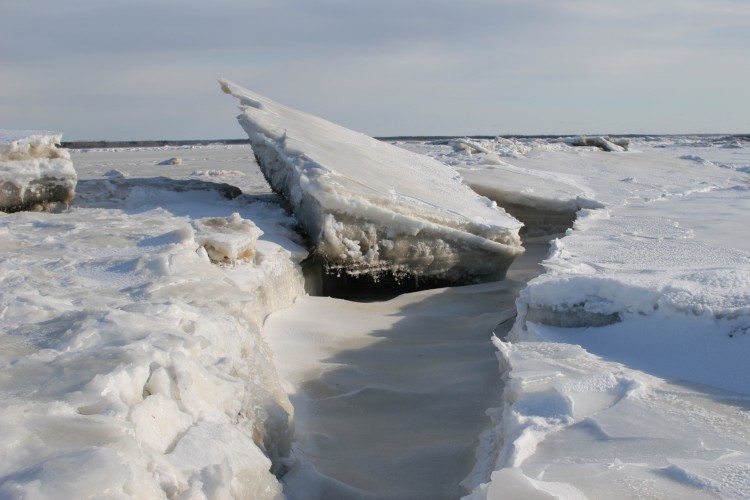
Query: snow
[
  {"x": 625, "y": 372},
  {"x": 133, "y": 366},
  {"x": 156, "y": 341},
  {"x": 370, "y": 207},
  {"x": 603, "y": 143},
  {"x": 34, "y": 173},
  {"x": 389, "y": 396}
]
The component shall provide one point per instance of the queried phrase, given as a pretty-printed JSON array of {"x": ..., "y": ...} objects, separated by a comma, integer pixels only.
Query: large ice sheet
[
  {"x": 370, "y": 207},
  {"x": 34, "y": 173}
]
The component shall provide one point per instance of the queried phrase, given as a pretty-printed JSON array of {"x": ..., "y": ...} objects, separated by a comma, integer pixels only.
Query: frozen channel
[{"x": 391, "y": 396}]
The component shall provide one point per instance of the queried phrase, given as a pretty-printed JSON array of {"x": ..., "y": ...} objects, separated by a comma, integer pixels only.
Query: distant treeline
[
  {"x": 205, "y": 142},
  {"x": 745, "y": 137},
  {"x": 146, "y": 144}
]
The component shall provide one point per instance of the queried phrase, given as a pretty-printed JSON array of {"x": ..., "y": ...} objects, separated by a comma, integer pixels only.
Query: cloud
[{"x": 148, "y": 68}]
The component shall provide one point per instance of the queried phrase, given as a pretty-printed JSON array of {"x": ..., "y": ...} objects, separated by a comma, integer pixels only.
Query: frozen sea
[{"x": 157, "y": 339}]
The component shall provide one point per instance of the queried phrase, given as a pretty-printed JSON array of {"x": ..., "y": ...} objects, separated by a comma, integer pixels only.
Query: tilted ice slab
[
  {"x": 33, "y": 171},
  {"x": 131, "y": 364},
  {"x": 370, "y": 207}
]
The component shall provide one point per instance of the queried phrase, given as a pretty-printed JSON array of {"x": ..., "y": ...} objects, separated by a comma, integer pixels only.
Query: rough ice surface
[
  {"x": 34, "y": 173},
  {"x": 131, "y": 365},
  {"x": 370, "y": 207}
]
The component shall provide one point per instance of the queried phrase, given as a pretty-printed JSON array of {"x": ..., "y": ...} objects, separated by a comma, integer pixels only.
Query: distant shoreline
[
  {"x": 147, "y": 144},
  {"x": 206, "y": 142}
]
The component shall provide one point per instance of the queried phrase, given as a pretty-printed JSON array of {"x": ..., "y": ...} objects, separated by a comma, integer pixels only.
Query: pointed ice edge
[{"x": 373, "y": 208}]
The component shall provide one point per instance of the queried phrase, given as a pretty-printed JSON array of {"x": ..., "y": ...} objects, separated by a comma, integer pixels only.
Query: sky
[{"x": 147, "y": 69}]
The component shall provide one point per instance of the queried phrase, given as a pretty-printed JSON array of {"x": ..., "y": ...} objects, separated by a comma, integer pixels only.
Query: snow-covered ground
[{"x": 137, "y": 361}]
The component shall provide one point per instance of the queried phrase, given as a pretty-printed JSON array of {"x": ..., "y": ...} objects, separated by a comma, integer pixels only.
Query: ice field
[{"x": 156, "y": 338}]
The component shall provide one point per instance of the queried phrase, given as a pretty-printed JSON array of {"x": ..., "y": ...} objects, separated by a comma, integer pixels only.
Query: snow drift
[
  {"x": 133, "y": 363},
  {"x": 34, "y": 173},
  {"x": 372, "y": 208}
]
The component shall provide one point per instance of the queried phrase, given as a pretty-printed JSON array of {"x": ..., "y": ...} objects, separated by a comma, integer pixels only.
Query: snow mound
[
  {"x": 218, "y": 173},
  {"x": 34, "y": 173},
  {"x": 370, "y": 207}
]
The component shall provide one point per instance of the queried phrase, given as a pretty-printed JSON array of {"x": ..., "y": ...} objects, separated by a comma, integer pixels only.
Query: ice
[
  {"x": 390, "y": 396},
  {"x": 135, "y": 337},
  {"x": 370, "y": 207},
  {"x": 228, "y": 240},
  {"x": 632, "y": 265},
  {"x": 621, "y": 434},
  {"x": 131, "y": 365},
  {"x": 608, "y": 144},
  {"x": 172, "y": 161},
  {"x": 34, "y": 173},
  {"x": 625, "y": 371}
]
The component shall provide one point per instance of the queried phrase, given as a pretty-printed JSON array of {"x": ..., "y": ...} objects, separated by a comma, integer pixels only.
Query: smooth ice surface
[
  {"x": 371, "y": 207},
  {"x": 34, "y": 172},
  {"x": 131, "y": 364}
]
